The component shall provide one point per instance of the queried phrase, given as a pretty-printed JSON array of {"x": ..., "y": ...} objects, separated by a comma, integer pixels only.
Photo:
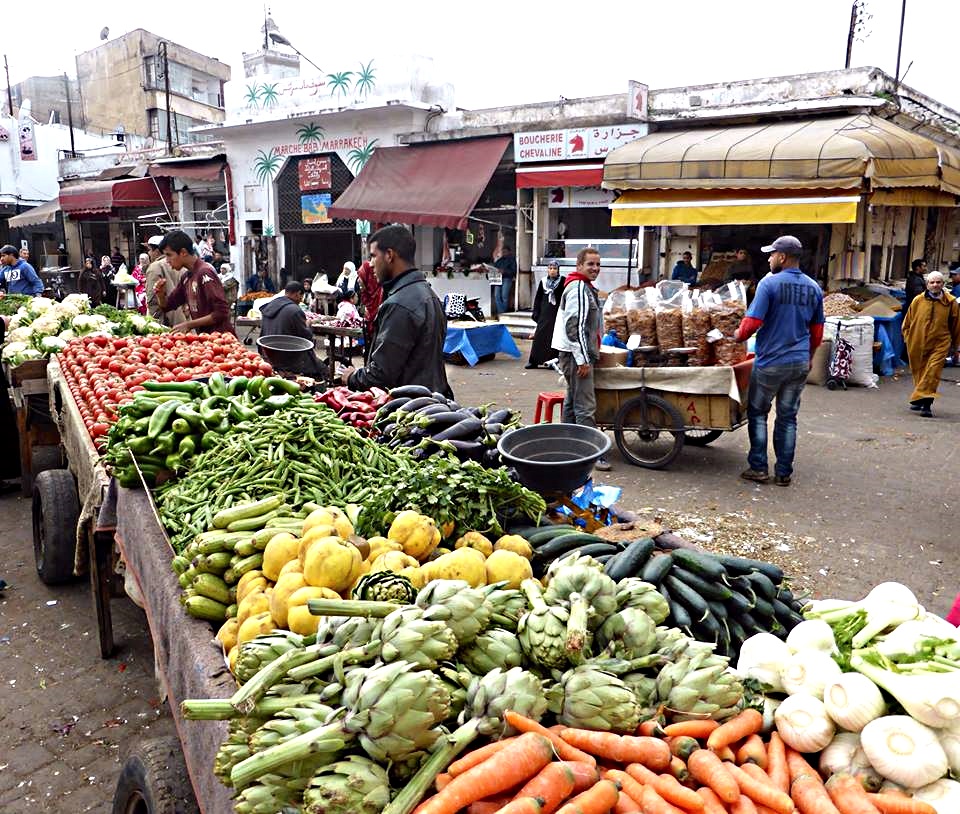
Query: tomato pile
[{"x": 104, "y": 372}]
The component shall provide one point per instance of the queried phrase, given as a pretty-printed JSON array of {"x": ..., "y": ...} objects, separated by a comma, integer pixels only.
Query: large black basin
[
  {"x": 282, "y": 351},
  {"x": 553, "y": 458}
]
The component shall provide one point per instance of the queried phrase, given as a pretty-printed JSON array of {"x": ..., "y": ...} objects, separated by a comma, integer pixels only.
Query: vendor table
[
  {"x": 249, "y": 323},
  {"x": 28, "y": 390},
  {"x": 475, "y": 340},
  {"x": 189, "y": 664},
  {"x": 345, "y": 337}
]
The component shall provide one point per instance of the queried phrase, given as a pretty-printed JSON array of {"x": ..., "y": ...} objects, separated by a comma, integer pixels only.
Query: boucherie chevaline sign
[{"x": 568, "y": 145}]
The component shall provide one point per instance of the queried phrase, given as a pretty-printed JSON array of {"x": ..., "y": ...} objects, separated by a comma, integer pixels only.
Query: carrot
[
  {"x": 744, "y": 805},
  {"x": 625, "y": 805},
  {"x": 476, "y": 756},
  {"x": 651, "y": 752},
  {"x": 777, "y": 762},
  {"x": 651, "y": 728},
  {"x": 628, "y": 786},
  {"x": 887, "y": 803},
  {"x": 516, "y": 762},
  {"x": 564, "y": 749},
  {"x": 745, "y": 723},
  {"x": 552, "y": 784},
  {"x": 798, "y": 766},
  {"x": 849, "y": 796},
  {"x": 752, "y": 751},
  {"x": 763, "y": 793},
  {"x": 757, "y": 773},
  {"x": 670, "y": 789},
  {"x": 711, "y": 803},
  {"x": 442, "y": 780},
  {"x": 584, "y": 775},
  {"x": 809, "y": 795},
  {"x": 678, "y": 769},
  {"x": 706, "y": 768},
  {"x": 598, "y": 799},
  {"x": 692, "y": 729},
  {"x": 725, "y": 753},
  {"x": 642, "y": 774},
  {"x": 682, "y": 746},
  {"x": 523, "y": 805},
  {"x": 653, "y": 803},
  {"x": 486, "y": 806}
]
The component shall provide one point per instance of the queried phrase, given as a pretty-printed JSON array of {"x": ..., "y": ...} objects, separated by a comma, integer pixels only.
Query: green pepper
[
  {"x": 275, "y": 385},
  {"x": 165, "y": 443},
  {"x": 224, "y": 426},
  {"x": 189, "y": 414},
  {"x": 127, "y": 477},
  {"x": 239, "y": 412},
  {"x": 209, "y": 411},
  {"x": 210, "y": 439},
  {"x": 217, "y": 384},
  {"x": 237, "y": 386},
  {"x": 187, "y": 448},
  {"x": 141, "y": 425},
  {"x": 253, "y": 386},
  {"x": 173, "y": 462},
  {"x": 161, "y": 417},
  {"x": 140, "y": 445},
  {"x": 192, "y": 389},
  {"x": 181, "y": 426},
  {"x": 279, "y": 402}
]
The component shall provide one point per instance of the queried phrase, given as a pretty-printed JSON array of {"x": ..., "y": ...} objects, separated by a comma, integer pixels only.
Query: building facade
[
  {"x": 48, "y": 99},
  {"x": 122, "y": 84}
]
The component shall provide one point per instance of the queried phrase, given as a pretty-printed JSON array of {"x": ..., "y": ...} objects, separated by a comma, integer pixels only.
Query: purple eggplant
[{"x": 464, "y": 430}]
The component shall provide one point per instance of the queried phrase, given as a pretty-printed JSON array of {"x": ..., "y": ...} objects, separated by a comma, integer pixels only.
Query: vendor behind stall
[
  {"x": 283, "y": 316},
  {"x": 18, "y": 275},
  {"x": 199, "y": 288}
]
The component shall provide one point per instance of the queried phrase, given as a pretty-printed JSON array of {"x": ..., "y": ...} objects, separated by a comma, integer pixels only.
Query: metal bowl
[
  {"x": 553, "y": 458},
  {"x": 281, "y": 350}
]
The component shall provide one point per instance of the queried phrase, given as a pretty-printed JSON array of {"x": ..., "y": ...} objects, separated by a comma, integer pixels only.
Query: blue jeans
[
  {"x": 502, "y": 295},
  {"x": 785, "y": 383}
]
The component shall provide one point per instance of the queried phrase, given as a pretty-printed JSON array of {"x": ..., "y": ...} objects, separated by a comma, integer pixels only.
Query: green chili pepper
[
  {"x": 161, "y": 416},
  {"x": 181, "y": 426},
  {"x": 189, "y": 414},
  {"x": 173, "y": 462},
  {"x": 192, "y": 389},
  {"x": 278, "y": 402},
  {"x": 140, "y": 445},
  {"x": 187, "y": 448},
  {"x": 217, "y": 384},
  {"x": 275, "y": 385},
  {"x": 239, "y": 412},
  {"x": 253, "y": 386},
  {"x": 210, "y": 439},
  {"x": 237, "y": 386},
  {"x": 165, "y": 443}
]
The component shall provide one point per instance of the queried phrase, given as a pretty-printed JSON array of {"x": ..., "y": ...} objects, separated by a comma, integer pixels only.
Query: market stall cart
[
  {"x": 341, "y": 342},
  {"x": 37, "y": 432},
  {"x": 653, "y": 411},
  {"x": 472, "y": 342}
]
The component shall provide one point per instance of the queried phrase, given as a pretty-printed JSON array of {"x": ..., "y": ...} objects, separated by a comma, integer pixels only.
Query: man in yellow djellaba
[{"x": 931, "y": 329}]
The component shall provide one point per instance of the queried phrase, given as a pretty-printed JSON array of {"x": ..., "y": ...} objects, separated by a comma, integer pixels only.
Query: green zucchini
[
  {"x": 717, "y": 609},
  {"x": 678, "y": 613},
  {"x": 245, "y": 548},
  {"x": 631, "y": 560},
  {"x": 224, "y": 518},
  {"x": 750, "y": 624},
  {"x": 744, "y": 565},
  {"x": 762, "y": 585},
  {"x": 561, "y": 545},
  {"x": 700, "y": 563},
  {"x": 737, "y": 634},
  {"x": 745, "y": 587},
  {"x": 738, "y": 603},
  {"x": 786, "y": 615},
  {"x": 598, "y": 548},
  {"x": 212, "y": 587},
  {"x": 656, "y": 568},
  {"x": 604, "y": 558},
  {"x": 706, "y": 588},
  {"x": 763, "y": 608},
  {"x": 546, "y": 534},
  {"x": 687, "y": 597},
  {"x": 202, "y": 607},
  {"x": 707, "y": 629}
]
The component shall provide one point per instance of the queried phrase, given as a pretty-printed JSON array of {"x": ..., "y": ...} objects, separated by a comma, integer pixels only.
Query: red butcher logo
[{"x": 577, "y": 142}]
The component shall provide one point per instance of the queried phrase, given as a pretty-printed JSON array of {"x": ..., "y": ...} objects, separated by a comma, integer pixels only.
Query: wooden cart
[
  {"x": 654, "y": 411},
  {"x": 39, "y": 439}
]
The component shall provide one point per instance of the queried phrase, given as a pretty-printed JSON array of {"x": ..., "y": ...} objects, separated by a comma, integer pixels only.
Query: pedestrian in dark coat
[{"x": 546, "y": 303}]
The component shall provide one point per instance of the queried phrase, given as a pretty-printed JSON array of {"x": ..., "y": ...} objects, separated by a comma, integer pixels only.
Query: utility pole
[
  {"x": 66, "y": 87},
  {"x": 903, "y": 15},
  {"x": 162, "y": 54},
  {"x": 853, "y": 27},
  {"x": 6, "y": 67}
]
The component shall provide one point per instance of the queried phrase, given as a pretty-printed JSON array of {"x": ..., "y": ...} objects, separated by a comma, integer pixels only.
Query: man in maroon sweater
[{"x": 199, "y": 288}]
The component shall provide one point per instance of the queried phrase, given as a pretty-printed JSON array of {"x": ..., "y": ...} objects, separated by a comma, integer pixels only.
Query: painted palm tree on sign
[
  {"x": 357, "y": 158},
  {"x": 340, "y": 82},
  {"x": 265, "y": 166},
  {"x": 252, "y": 96},
  {"x": 309, "y": 132},
  {"x": 365, "y": 79},
  {"x": 268, "y": 96}
]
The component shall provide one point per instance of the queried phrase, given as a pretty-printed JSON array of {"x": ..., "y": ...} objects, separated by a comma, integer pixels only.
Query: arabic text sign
[
  {"x": 313, "y": 208},
  {"x": 314, "y": 173},
  {"x": 567, "y": 145},
  {"x": 579, "y": 198}
]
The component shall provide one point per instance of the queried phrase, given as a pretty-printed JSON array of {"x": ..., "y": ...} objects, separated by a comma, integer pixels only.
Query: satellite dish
[{"x": 105, "y": 33}]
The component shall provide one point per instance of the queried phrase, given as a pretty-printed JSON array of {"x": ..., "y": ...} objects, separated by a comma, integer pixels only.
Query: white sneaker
[{"x": 602, "y": 465}]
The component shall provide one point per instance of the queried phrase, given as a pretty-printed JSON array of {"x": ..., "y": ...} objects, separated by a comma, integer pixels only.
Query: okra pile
[{"x": 168, "y": 424}]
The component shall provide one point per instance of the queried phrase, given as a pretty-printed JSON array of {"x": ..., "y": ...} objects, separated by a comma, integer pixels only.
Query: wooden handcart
[{"x": 654, "y": 411}]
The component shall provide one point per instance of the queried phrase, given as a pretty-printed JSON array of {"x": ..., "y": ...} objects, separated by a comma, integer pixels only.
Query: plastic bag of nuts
[
  {"x": 669, "y": 328},
  {"x": 726, "y": 319},
  {"x": 696, "y": 326}
]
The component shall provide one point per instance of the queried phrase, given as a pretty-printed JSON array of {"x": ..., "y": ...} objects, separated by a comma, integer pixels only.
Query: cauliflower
[
  {"x": 12, "y": 349},
  {"x": 84, "y": 324},
  {"x": 79, "y": 301},
  {"x": 52, "y": 344},
  {"x": 20, "y": 334},
  {"x": 46, "y": 325},
  {"x": 65, "y": 310},
  {"x": 39, "y": 305},
  {"x": 67, "y": 335}
]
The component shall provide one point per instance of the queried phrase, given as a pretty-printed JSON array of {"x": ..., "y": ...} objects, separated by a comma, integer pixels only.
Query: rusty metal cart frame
[{"x": 653, "y": 412}]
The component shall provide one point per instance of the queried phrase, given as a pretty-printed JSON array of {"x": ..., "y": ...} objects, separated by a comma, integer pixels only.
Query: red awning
[
  {"x": 560, "y": 175},
  {"x": 93, "y": 197},
  {"x": 207, "y": 169},
  {"x": 429, "y": 184}
]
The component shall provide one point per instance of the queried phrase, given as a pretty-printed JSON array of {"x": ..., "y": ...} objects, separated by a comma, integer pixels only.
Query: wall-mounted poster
[
  {"x": 313, "y": 208},
  {"x": 314, "y": 173}
]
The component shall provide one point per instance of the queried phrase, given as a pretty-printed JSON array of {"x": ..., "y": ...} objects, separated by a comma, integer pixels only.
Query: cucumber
[
  {"x": 679, "y": 615},
  {"x": 596, "y": 549},
  {"x": 563, "y": 544},
  {"x": 737, "y": 634},
  {"x": 750, "y": 624},
  {"x": 687, "y": 597},
  {"x": 738, "y": 603},
  {"x": 745, "y": 587},
  {"x": 744, "y": 565},
  {"x": 548, "y": 533},
  {"x": 202, "y": 607},
  {"x": 604, "y": 558},
  {"x": 762, "y": 585},
  {"x": 786, "y": 615},
  {"x": 706, "y": 589},
  {"x": 702, "y": 564},
  {"x": 717, "y": 609},
  {"x": 631, "y": 560},
  {"x": 763, "y": 609},
  {"x": 707, "y": 629},
  {"x": 656, "y": 568},
  {"x": 212, "y": 587}
]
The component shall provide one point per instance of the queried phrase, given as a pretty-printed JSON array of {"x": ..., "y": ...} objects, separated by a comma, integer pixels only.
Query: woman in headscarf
[
  {"x": 347, "y": 281},
  {"x": 90, "y": 282},
  {"x": 546, "y": 303},
  {"x": 107, "y": 272},
  {"x": 371, "y": 295}
]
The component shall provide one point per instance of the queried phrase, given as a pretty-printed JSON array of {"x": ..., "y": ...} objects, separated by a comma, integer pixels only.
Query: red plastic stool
[{"x": 546, "y": 403}]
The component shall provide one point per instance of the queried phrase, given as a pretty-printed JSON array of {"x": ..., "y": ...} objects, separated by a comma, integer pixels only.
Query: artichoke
[
  {"x": 289, "y": 723},
  {"x": 635, "y": 593},
  {"x": 259, "y": 652},
  {"x": 627, "y": 634},
  {"x": 588, "y": 698},
  {"x": 356, "y": 632},
  {"x": 543, "y": 629},
  {"x": 235, "y": 748},
  {"x": 492, "y": 649},
  {"x": 355, "y": 785},
  {"x": 507, "y": 605},
  {"x": 453, "y": 601},
  {"x": 597, "y": 591},
  {"x": 271, "y": 794},
  {"x": 699, "y": 684},
  {"x": 385, "y": 586},
  {"x": 407, "y": 634}
]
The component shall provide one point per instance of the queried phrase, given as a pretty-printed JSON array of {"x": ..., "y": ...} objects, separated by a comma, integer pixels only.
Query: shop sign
[
  {"x": 326, "y": 145},
  {"x": 637, "y": 96},
  {"x": 579, "y": 198},
  {"x": 314, "y": 173},
  {"x": 581, "y": 142},
  {"x": 313, "y": 208}
]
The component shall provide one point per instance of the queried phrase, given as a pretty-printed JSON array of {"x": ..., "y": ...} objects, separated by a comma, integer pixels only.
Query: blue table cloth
[
  {"x": 893, "y": 352},
  {"x": 482, "y": 340}
]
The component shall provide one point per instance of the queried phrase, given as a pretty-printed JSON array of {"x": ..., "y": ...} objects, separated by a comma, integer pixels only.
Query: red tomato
[{"x": 98, "y": 429}]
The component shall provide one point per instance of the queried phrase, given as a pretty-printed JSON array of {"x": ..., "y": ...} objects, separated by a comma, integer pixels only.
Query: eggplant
[
  {"x": 440, "y": 397},
  {"x": 464, "y": 430},
  {"x": 390, "y": 407},
  {"x": 447, "y": 419},
  {"x": 499, "y": 416},
  {"x": 410, "y": 391},
  {"x": 415, "y": 404},
  {"x": 430, "y": 409},
  {"x": 453, "y": 405},
  {"x": 492, "y": 459},
  {"x": 494, "y": 429}
]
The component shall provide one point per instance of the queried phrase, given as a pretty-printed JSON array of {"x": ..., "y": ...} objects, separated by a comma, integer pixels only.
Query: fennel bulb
[
  {"x": 803, "y": 723},
  {"x": 933, "y": 698},
  {"x": 808, "y": 671},
  {"x": 853, "y": 700},
  {"x": 886, "y": 606},
  {"x": 812, "y": 634},
  {"x": 761, "y": 658},
  {"x": 904, "y": 750},
  {"x": 943, "y": 795}
]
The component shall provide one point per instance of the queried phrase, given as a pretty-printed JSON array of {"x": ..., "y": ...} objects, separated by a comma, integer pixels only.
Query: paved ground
[{"x": 874, "y": 487}]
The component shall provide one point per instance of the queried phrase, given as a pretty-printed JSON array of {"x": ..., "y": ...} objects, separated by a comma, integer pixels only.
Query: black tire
[
  {"x": 56, "y": 511},
  {"x": 832, "y": 384},
  {"x": 46, "y": 457},
  {"x": 154, "y": 780},
  {"x": 700, "y": 438},
  {"x": 649, "y": 431}
]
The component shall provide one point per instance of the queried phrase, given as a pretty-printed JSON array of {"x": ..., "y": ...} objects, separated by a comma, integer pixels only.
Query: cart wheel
[
  {"x": 832, "y": 384},
  {"x": 700, "y": 438},
  {"x": 649, "y": 431},
  {"x": 56, "y": 511},
  {"x": 154, "y": 780}
]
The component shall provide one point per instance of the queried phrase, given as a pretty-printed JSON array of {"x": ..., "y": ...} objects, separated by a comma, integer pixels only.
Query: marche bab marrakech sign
[{"x": 330, "y": 145}]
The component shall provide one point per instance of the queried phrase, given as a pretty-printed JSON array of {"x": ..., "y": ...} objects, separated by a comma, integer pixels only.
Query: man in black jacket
[
  {"x": 915, "y": 285},
  {"x": 410, "y": 327},
  {"x": 284, "y": 316}
]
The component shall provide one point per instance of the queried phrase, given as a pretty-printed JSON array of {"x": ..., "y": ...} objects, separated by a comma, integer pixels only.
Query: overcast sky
[{"x": 505, "y": 52}]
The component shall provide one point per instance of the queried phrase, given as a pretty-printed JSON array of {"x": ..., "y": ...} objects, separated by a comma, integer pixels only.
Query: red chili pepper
[{"x": 365, "y": 397}]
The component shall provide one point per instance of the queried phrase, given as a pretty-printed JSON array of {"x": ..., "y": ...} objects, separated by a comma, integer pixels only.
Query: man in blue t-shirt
[
  {"x": 18, "y": 275},
  {"x": 787, "y": 316}
]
